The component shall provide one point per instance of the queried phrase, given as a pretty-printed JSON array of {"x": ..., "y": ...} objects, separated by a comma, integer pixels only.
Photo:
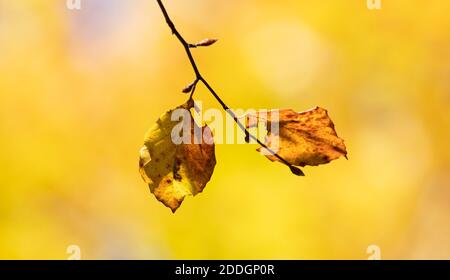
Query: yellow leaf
[
  {"x": 305, "y": 138},
  {"x": 174, "y": 171}
]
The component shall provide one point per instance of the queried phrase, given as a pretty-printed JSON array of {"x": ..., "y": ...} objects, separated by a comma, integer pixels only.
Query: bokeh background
[{"x": 79, "y": 89}]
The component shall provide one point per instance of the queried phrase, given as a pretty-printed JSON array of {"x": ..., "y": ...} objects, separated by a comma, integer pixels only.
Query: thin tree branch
[{"x": 187, "y": 47}]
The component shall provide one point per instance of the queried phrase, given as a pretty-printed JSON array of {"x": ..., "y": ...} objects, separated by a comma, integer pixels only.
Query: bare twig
[{"x": 199, "y": 78}]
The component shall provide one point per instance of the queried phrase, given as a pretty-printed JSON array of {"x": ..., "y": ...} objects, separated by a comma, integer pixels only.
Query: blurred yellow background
[{"x": 79, "y": 89}]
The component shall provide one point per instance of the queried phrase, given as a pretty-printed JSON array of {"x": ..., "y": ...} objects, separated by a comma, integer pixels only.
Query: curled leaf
[
  {"x": 305, "y": 138},
  {"x": 174, "y": 171}
]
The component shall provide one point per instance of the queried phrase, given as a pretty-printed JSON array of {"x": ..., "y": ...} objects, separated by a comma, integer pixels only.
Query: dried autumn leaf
[
  {"x": 174, "y": 171},
  {"x": 305, "y": 138}
]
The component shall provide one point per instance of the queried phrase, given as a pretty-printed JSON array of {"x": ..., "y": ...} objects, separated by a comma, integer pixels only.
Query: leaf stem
[{"x": 199, "y": 77}]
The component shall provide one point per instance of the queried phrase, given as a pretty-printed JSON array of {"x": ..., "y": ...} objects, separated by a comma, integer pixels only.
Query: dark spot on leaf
[
  {"x": 177, "y": 176},
  {"x": 175, "y": 169}
]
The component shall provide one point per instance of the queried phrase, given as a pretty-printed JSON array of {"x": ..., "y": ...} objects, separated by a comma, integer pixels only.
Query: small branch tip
[
  {"x": 297, "y": 171},
  {"x": 189, "y": 88},
  {"x": 203, "y": 43}
]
